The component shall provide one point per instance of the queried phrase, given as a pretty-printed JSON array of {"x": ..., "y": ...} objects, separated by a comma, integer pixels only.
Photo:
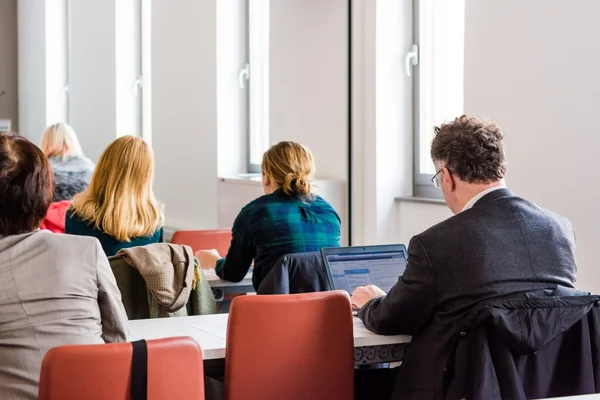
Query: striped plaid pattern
[{"x": 275, "y": 225}]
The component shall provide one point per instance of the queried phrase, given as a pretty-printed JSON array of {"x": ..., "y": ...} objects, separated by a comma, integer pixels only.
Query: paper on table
[{"x": 218, "y": 328}]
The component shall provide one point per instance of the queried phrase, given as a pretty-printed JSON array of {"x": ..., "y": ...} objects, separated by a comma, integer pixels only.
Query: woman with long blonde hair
[
  {"x": 119, "y": 207},
  {"x": 289, "y": 218},
  {"x": 72, "y": 170}
]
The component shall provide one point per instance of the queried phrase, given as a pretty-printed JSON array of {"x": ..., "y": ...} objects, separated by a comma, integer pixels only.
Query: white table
[
  {"x": 216, "y": 282},
  {"x": 220, "y": 287},
  {"x": 209, "y": 331}
]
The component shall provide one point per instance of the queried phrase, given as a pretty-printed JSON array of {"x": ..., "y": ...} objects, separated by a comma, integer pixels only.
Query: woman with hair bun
[{"x": 289, "y": 218}]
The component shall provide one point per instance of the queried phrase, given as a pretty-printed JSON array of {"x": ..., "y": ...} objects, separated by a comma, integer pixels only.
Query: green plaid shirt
[{"x": 275, "y": 225}]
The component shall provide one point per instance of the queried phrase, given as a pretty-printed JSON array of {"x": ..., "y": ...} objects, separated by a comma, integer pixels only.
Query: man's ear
[{"x": 450, "y": 178}]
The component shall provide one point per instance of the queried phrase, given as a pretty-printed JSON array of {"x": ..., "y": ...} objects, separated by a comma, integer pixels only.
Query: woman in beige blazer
[{"x": 54, "y": 289}]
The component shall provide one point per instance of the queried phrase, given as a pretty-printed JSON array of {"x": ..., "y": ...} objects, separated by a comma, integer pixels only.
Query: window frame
[
  {"x": 129, "y": 69},
  {"x": 139, "y": 82},
  {"x": 422, "y": 185},
  {"x": 57, "y": 68},
  {"x": 67, "y": 55},
  {"x": 145, "y": 78},
  {"x": 254, "y": 168}
]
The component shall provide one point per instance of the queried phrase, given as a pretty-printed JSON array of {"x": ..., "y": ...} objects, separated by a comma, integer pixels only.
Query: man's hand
[
  {"x": 363, "y": 294},
  {"x": 208, "y": 258}
]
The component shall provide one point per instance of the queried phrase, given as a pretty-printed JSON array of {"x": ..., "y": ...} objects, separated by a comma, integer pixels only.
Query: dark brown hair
[
  {"x": 471, "y": 149},
  {"x": 26, "y": 185}
]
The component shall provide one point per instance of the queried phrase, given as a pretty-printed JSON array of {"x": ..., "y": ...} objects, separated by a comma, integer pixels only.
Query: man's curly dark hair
[{"x": 471, "y": 149}]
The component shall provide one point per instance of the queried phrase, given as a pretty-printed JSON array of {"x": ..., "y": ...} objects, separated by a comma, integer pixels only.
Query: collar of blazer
[{"x": 495, "y": 195}]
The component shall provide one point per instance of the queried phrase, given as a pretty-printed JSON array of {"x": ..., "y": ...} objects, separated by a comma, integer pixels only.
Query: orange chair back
[
  {"x": 292, "y": 347},
  {"x": 205, "y": 240},
  {"x": 103, "y": 371},
  {"x": 55, "y": 217}
]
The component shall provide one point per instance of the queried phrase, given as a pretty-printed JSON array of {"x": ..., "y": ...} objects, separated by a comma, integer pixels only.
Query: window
[
  {"x": 132, "y": 64},
  {"x": 256, "y": 73},
  {"x": 58, "y": 48},
  {"x": 437, "y": 61},
  {"x": 146, "y": 62}
]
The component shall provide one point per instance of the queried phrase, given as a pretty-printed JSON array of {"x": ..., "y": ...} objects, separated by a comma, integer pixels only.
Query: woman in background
[
  {"x": 289, "y": 218},
  {"x": 72, "y": 170},
  {"x": 54, "y": 289},
  {"x": 119, "y": 207}
]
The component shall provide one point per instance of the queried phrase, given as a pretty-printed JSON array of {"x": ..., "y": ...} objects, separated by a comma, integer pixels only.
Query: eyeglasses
[{"x": 436, "y": 181}]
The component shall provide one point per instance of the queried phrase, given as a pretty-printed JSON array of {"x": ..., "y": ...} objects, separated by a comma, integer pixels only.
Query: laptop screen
[{"x": 351, "y": 269}]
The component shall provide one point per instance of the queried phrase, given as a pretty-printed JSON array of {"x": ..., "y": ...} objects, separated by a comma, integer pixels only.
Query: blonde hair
[
  {"x": 119, "y": 200},
  {"x": 60, "y": 140},
  {"x": 291, "y": 166}
]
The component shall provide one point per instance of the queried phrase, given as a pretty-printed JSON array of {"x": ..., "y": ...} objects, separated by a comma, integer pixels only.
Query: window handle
[
  {"x": 64, "y": 92},
  {"x": 137, "y": 86},
  {"x": 244, "y": 75},
  {"x": 411, "y": 59}
]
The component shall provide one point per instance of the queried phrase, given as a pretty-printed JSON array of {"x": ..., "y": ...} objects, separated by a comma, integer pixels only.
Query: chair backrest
[
  {"x": 292, "y": 347},
  {"x": 139, "y": 303},
  {"x": 132, "y": 286},
  {"x": 296, "y": 273},
  {"x": 103, "y": 371},
  {"x": 55, "y": 217},
  {"x": 204, "y": 240},
  {"x": 532, "y": 345}
]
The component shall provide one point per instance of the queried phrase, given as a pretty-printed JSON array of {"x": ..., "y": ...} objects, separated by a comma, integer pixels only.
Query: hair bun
[
  {"x": 296, "y": 184},
  {"x": 291, "y": 167}
]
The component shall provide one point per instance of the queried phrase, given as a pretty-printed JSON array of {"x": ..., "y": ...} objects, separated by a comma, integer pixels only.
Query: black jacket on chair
[
  {"x": 296, "y": 273},
  {"x": 502, "y": 245},
  {"x": 527, "y": 349}
]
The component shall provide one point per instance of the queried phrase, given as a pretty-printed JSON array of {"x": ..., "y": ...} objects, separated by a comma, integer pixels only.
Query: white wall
[
  {"x": 534, "y": 70},
  {"x": 32, "y": 68},
  {"x": 309, "y": 80},
  {"x": 8, "y": 62},
  {"x": 363, "y": 106},
  {"x": 184, "y": 124},
  {"x": 415, "y": 217}
]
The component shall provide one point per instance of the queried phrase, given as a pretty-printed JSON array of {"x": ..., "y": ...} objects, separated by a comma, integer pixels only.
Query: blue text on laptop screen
[{"x": 359, "y": 269}]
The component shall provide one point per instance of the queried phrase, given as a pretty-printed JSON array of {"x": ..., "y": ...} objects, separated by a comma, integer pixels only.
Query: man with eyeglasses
[{"x": 496, "y": 244}]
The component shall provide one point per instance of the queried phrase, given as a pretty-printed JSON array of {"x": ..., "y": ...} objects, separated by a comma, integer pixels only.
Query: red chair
[
  {"x": 292, "y": 347},
  {"x": 218, "y": 239},
  {"x": 205, "y": 240},
  {"x": 55, "y": 217},
  {"x": 103, "y": 371}
]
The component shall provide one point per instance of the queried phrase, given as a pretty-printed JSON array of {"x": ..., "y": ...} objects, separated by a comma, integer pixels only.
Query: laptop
[{"x": 350, "y": 267}]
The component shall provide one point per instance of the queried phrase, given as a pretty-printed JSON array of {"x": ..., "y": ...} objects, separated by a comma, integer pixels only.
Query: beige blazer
[{"x": 54, "y": 290}]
